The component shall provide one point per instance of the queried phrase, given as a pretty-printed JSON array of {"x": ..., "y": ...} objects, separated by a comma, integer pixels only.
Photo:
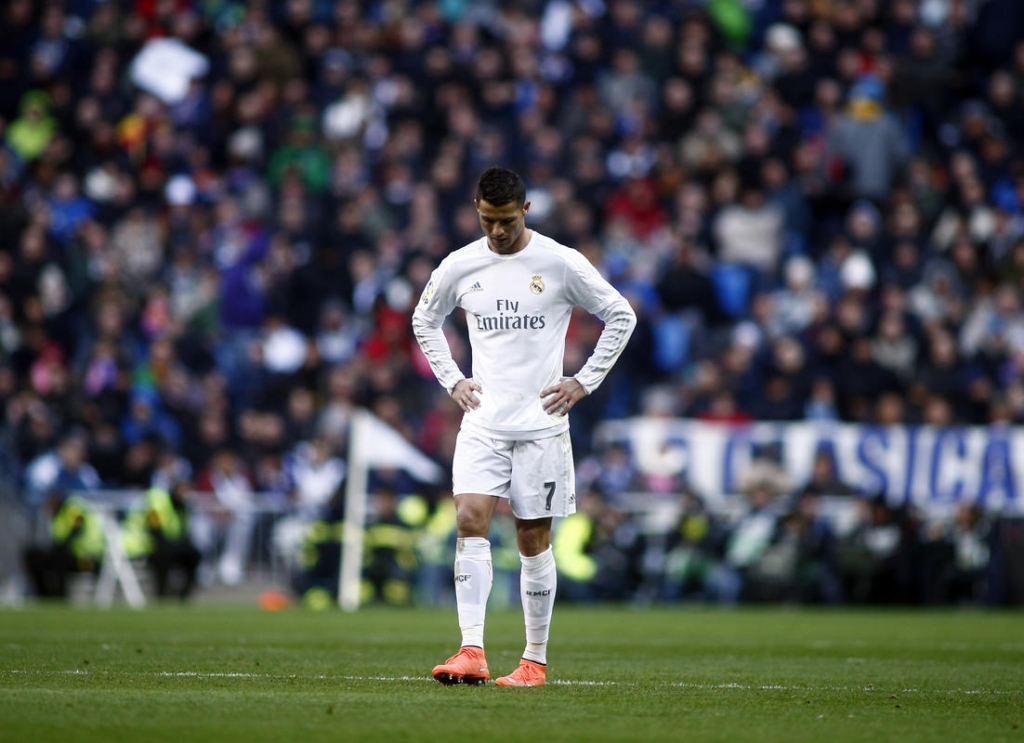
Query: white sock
[
  {"x": 473, "y": 578},
  {"x": 537, "y": 583}
]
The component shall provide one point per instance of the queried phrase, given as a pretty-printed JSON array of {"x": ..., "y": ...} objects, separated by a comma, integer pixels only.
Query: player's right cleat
[
  {"x": 529, "y": 673},
  {"x": 468, "y": 666}
]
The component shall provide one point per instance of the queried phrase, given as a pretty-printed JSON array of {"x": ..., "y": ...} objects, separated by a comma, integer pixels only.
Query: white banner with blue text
[{"x": 921, "y": 465}]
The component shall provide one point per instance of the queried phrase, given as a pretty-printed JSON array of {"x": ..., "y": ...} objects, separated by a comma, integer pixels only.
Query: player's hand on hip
[
  {"x": 464, "y": 393},
  {"x": 560, "y": 398}
]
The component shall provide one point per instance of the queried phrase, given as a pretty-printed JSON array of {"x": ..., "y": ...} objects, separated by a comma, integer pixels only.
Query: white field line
[{"x": 554, "y": 682}]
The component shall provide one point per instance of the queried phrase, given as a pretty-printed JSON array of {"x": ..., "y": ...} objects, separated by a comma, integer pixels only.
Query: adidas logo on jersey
[{"x": 475, "y": 288}]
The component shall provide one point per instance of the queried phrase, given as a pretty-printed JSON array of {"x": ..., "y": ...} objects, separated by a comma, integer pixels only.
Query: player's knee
[
  {"x": 534, "y": 538},
  {"x": 472, "y": 523}
]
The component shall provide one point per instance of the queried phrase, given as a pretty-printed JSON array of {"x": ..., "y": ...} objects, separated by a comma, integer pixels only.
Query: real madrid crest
[{"x": 536, "y": 285}]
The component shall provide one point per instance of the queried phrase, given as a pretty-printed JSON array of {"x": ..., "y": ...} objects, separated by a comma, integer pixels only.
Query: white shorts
[{"x": 536, "y": 475}]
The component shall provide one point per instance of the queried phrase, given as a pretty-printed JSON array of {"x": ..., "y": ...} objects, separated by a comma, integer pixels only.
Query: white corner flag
[
  {"x": 386, "y": 448},
  {"x": 371, "y": 443}
]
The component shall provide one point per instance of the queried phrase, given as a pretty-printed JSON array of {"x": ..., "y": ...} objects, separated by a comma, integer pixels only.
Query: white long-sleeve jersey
[{"x": 517, "y": 309}]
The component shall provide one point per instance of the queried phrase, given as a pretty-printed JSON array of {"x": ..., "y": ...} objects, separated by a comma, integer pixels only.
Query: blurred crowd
[
  {"x": 821, "y": 543},
  {"x": 215, "y": 217}
]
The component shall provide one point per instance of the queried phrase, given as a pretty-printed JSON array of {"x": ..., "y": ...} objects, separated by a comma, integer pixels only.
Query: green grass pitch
[{"x": 227, "y": 674}]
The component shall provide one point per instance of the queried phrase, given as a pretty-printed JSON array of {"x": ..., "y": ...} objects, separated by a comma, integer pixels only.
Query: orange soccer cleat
[
  {"x": 529, "y": 673},
  {"x": 468, "y": 666}
]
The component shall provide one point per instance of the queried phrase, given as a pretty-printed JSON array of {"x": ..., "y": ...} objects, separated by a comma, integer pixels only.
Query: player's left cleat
[{"x": 529, "y": 673}]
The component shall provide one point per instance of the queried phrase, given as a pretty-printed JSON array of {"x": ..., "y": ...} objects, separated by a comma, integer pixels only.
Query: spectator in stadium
[
  {"x": 758, "y": 556},
  {"x": 65, "y": 469},
  {"x": 961, "y": 554},
  {"x": 866, "y": 147},
  {"x": 76, "y": 545},
  {"x": 437, "y": 553},
  {"x": 157, "y": 528},
  {"x": 390, "y": 562},
  {"x": 692, "y": 551},
  {"x": 797, "y": 300},
  {"x": 518, "y": 445},
  {"x": 376, "y": 139},
  {"x": 224, "y": 532},
  {"x": 691, "y": 307},
  {"x": 750, "y": 234},
  {"x": 816, "y": 578},
  {"x": 318, "y": 562},
  {"x": 876, "y": 557},
  {"x": 573, "y": 543},
  {"x": 614, "y": 474},
  {"x": 824, "y": 479},
  {"x": 599, "y": 552},
  {"x": 317, "y": 474}
]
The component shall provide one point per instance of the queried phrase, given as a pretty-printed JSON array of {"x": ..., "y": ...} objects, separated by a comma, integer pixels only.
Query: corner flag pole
[{"x": 371, "y": 443}]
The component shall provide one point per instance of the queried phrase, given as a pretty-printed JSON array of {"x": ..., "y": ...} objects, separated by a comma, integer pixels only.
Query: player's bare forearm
[{"x": 560, "y": 398}]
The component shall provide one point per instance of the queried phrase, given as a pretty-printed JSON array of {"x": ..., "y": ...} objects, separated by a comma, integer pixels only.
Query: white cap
[
  {"x": 284, "y": 350},
  {"x": 799, "y": 271},
  {"x": 100, "y": 185},
  {"x": 857, "y": 272},
  {"x": 781, "y": 37},
  {"x": 747, "y": 335},
  {"x": 180, "y": 191},
  {"x": 246, "y": 143}
]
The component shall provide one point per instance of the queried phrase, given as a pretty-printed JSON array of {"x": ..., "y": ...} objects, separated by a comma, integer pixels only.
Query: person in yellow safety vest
[
  {"x": 692, "y": 551},
  {"x": 157, "y": 528},
  {"x": 316, "y": 582},
  {"x": 571, "y": 544},
  {"x": 437, "y": 553},
  {"x": 599, "y": 553},
  {"x": 390, "y": 559},
  {"x": 505, "y": 562},
  {"x": 320, "y": 557},
  {"x": 76, "y": 546}
]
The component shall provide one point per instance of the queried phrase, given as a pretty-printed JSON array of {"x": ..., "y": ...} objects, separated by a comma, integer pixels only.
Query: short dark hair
[{"x": 499, "y": 186}]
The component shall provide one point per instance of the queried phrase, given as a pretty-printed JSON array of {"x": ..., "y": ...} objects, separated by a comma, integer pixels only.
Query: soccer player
[{"x": 518, "y": 289}]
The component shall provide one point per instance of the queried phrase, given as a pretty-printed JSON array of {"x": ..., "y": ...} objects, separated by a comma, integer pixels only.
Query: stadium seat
[{"x": 732, "y": 285}]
